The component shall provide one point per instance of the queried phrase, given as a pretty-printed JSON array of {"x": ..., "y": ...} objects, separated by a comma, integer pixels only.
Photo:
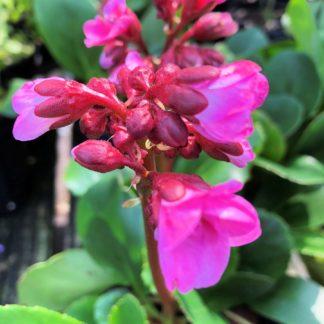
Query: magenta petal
[
  {"x": 96, "y": 31},
  {"x": 226, "y": 188},
  {"x": 178, "y": 220},
  {"x": 28, "y": 126},
  {"x": 114, "y": 8},
  {"x": 241, "y": 221},
  {"x": 198, "y": 262},
  {"x": 242, "y": 160}
]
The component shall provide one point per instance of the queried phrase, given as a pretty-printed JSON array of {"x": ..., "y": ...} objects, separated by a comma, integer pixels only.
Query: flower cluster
[{"x": 184, "y": 102}]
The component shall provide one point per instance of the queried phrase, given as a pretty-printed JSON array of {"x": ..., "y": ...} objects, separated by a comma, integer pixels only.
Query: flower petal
[{"x": 198, "y": 262}]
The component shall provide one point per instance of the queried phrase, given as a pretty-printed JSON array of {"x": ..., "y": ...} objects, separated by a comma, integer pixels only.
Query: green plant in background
[{"x": 108, "y": 280}]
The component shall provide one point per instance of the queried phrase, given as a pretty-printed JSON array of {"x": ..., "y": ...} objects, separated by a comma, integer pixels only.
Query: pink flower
[
  {"x": 118, "y": 21},
  {"x": 239, "y": 89},
  {"x": 45, "y": 104},
  {"x": 197, "y": 224}
]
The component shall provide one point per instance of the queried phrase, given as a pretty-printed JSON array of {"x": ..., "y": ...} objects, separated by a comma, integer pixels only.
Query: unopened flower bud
[
  {"x": 192, "y": 150},
  {"x": 122, "y": 139},
  {"x": 93, "y": 123},
  {"x": 180, "y": 98},
  {"x": 212, "y": 57},
  {"x": 98, "y": 156},
  {"x": 139, "y": 122},
  {"x": 213, "y": 26},
  {"x": 166, "y": 9},
  {"x": 170, "y": 129},
  {"x": 166, "y": 74},
  {"x": 197, "y": 74},
  {"x": 103, "y": 86},
  {"x": 141, "y": 78},
  {"x": 113, "y": 54}
]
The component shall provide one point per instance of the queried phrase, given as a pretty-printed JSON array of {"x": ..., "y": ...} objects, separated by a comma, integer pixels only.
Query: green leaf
[
  {"x": 60, "y": 23},
  {"x": 304, "y": 170},
  {"x": 311, "y": 141},
  {"x": 104, "y": 202},
  {"x": 305, "y": 209},
  {"x": 105, "y": 302},
  {"x": 300, "y": 22},
  {"x": 309, "y": 243},
  {"x": 248, "y": 41},
  {"x": 315, "y": 266},
  {"x": 6, "y": 109},
  {"x": 271, "y": 249},
  {"x": 65, "y": 277},
  {"x": 17, "y": 314},
  {"x": 137, "y": 5},
  {"x": 294, "y": 74},
  {"x": 83, "y": 309},
  {"x": 211, "y": 170},
  {"x": 196, "y": 311},
  {"x": 274, "y": 145},
  {"x": 286, "y": 111},
  {"x": 152, "y": 30},
  {"x": 295, "y": 301},
  {"x": 127, "y": 310},
  {"x": 107, "y": 250},
  {"x": 79, "y": 179},
  {"x": 237, "y": 290}
]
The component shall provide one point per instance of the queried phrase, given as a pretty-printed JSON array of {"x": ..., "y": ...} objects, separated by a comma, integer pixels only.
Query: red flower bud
[
  {"x": 192, "y": 150},
  {"x": 166, "y": 74},
  {"x": 166, "y": 9},
  {"x": 122, "y": 140},
  {"x": 103, "y": 86},
  {"x": 180, "y": 98},
  {"x": 170, "y": 129},
  {"x": 141, "y": 78},
  {"x": 93, "y": 123},
  {"x": 139, "y": 122},
  {"x": 211, "y": 57},
  {"x": 197, "y": 74},
  {"x": 99, "y": 156},
  {"x": 213, "y": 26}
]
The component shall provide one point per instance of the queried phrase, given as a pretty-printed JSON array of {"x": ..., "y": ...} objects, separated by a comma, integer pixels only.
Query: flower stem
[{"x": 152, "y": 249}]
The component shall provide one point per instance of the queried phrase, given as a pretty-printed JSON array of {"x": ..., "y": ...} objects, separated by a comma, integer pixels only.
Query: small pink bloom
[
  {"x": 197, "y": 224},
  {"x": 45, "y": 104},
  {"x": 113, "y": 54},
  {"x": 118, "y": 21},
  {"x": 214, "y": 25},
  {"x": 239, "y": 89}
]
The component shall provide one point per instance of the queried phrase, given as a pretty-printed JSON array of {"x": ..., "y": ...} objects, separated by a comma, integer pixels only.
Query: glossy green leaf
[
  {"x": 137, "y": 5},
  {"x": 152, "y": 30},
  {"x": 300, "y": 22},
  {"x": 6, "y": 109},
  {"x": 196, "y": 311},
  {"x": 60, "y": 23},
  {"x": 304, "y": 170},
  {"x": 127, "y": 310},
  {"x": 107, "y": 250},
  {"x": 305, "y": 209},
  {"x": 274, "y": 144},
  {"x": 286, "y": 111},
  {"x": 237, "y": 290},
  {"x": 315, "y": 267},
  {"x": 247, "y": 41},
  {"x": 79, "y": 179},
  {"x": 83, "y": 309},
  {"x": 294, "y": 74},
  {"x": 105, "y": 302},
  {"x": 104, "y": 202},
  {"x": 309, "y": 243},
  {"x": 271, "y": 249},
  {"x": 17, "y": 314},
  {"x": 311, "y": 141},
  {"x": 294, "y": 301},
  {"x": 65, "y": 277}
]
